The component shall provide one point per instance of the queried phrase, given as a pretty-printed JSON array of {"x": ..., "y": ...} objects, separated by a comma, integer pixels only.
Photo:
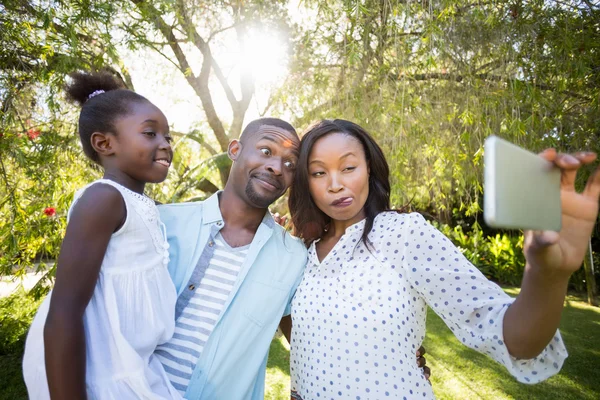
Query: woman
[{"x": 359, "y": 313}]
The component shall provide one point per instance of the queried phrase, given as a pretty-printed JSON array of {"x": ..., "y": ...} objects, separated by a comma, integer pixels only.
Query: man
[{"x": 235, "y": 270}]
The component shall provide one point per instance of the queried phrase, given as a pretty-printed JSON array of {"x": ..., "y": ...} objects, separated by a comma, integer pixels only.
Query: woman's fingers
[
  {"x": 548, "y": 154},
  {"x": 568, "y": 165},
  {"x": 542, "y": 238},
  {"x": 426, "y": 372},
  {"x": 586, "y": 157},
  {"x": 592, "y": 187}
]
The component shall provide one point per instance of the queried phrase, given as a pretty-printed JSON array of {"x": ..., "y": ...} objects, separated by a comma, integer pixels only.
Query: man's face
[{"x": 264, "y": 164}]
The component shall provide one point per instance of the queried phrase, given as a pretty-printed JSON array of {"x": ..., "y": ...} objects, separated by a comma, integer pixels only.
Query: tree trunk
[
  {"x": 207, "y": 186},
  {"x": 224, "y": 174},
  {"x": 590, "y": 279}
]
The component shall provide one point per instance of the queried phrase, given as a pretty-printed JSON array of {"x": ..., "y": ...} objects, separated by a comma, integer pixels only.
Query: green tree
[
  {"x": 183, "y": 31},
  {"x": 432, "y": 79},
  {"x": 40, "y": 162},
  {"x": 429, "y": 79}
]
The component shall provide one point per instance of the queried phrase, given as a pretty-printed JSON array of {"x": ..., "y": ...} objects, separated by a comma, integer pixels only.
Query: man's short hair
[{"x": 255, "y": 125}]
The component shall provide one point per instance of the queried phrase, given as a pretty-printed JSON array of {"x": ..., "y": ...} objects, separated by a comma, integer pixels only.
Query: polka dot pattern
[{"x": 359, "y": 315}]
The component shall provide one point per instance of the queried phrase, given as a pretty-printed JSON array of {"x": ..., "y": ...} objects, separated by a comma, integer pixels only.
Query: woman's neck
[{"x": 337, "y": 228}]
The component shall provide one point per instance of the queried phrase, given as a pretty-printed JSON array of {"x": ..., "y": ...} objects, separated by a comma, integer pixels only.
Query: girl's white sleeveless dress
[{"x": 131, "y": 312}]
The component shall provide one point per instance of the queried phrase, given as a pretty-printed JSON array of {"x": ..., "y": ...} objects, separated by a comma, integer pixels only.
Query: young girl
[{"x": 113, "y": 301}]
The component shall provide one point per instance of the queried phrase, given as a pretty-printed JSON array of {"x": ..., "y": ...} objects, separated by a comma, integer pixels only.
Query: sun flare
[{"x": 267, "y": 55}]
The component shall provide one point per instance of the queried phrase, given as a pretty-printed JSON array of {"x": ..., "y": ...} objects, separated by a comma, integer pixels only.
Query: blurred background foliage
[{"x": 429, "y": 79}]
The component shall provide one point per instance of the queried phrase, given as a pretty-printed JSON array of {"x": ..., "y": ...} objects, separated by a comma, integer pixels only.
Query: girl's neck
[{"x": 125, "y": 180}]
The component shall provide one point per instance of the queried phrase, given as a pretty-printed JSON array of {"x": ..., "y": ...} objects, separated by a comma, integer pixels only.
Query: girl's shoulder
[
  {"x": 96, "y": 195},
  {"x": 129, "y": 197},
  {"x": 97, "y": 203},
  {"x": 102, "y": 198}
]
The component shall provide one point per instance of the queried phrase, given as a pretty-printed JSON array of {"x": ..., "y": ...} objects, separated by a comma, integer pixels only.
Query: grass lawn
[
  {"x": 461, "y": 373},
  {"x": 458, "y": 372}
]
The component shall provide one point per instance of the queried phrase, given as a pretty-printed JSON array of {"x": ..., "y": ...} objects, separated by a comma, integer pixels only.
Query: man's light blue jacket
[{"x": 233, "y": 363}]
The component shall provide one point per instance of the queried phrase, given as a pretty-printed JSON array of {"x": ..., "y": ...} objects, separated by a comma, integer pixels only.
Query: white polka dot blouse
[{"x": 359, "y": 315}]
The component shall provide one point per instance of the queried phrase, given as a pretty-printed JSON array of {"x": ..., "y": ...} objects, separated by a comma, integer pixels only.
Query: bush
[
  {"x": 499, "y": 257},
  {"x": 16, "y": 313}
]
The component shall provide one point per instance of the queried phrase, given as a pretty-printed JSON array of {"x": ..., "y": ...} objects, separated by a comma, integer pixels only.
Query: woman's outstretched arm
[{"x": 532, "y": 320}]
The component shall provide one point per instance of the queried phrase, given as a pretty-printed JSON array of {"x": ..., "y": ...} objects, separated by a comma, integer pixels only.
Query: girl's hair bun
[{"x": 83, "y": 84}]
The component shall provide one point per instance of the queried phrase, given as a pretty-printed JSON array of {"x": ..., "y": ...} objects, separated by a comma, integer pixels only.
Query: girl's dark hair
[
  {"x": 309, "y": 221},
  {"x": 110, "y": 100}
]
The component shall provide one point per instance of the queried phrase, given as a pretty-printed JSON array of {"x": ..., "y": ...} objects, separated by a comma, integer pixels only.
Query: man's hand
[
  {"x": 283, "y": 221},
  {"x": 421, "y": 361}
]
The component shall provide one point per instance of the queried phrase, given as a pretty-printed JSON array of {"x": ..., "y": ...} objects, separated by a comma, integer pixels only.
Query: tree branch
[
  {"x": 483, "y": 76},
  {"x": 269, "y": 104},
  {"x": 153, "y": 47},
  {"x": 492, "y": 64},
  {"x": 246, "y": 83},
  {"x": 207, "y": 186},
  {"x": 200, "y": 83},
  {"x": 337, "y": 100},
  {"x": 238, "y": 107},
  {"x": 590, "y": 5},
  {"x": 28, "y": 9},
  {"x": 215, "y": 33},
  {"x": 204, "y": 48},
  {"x": 197, "y": 137}
]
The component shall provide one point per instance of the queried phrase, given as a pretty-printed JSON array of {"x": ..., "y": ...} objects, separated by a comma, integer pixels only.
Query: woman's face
[{"x": 338, "y": 177}]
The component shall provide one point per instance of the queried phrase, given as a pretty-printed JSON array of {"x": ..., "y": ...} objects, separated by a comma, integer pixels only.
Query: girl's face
[
  {"x": 339, "y": 177},
  {"x": 142, "y": 146}
]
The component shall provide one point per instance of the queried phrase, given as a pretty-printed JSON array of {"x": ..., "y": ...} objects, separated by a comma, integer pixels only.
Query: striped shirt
[{"x": 198, "y": 319}]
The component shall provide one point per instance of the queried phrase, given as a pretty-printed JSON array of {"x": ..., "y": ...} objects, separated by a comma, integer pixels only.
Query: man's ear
[
  {"x": 103, "y": 143},
  {"x": 234, "y": 149}
]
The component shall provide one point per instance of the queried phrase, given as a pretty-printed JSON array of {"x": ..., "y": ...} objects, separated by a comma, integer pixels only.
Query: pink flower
[{"x": 50, "y": 211}]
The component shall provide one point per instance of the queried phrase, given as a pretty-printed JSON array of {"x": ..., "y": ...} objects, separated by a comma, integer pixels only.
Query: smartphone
[{"x": 521, "y": 189}]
